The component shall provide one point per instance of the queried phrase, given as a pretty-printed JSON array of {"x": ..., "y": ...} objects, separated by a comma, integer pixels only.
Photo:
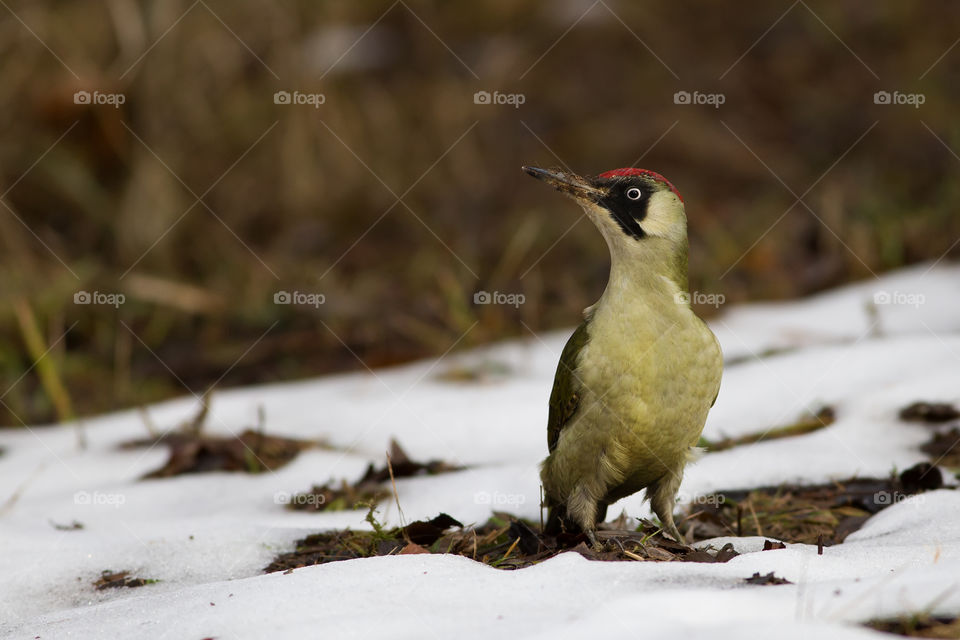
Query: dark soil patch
[
  {"x": 371, "y": 488},
  {"x": 400, "y": 465},
  {"x": 820, "y": 514},
  {"x": 503, "y": 542},
  {"x": 116, "y": 579},
  {"x": 944, "y": 446},
  {"x": 250, "y": 452},
  {"x": 919, "y": 627},
  {"x": 192, "y": 451},
  {"x": 929, "y": 412},
  {"x": 331, "y": 497},
  {"x": 768, "y": 579},
  {"x": 944, "y": 449}
]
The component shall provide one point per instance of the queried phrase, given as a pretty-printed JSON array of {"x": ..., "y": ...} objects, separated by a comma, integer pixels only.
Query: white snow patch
[{"x": 207, "y": 537}]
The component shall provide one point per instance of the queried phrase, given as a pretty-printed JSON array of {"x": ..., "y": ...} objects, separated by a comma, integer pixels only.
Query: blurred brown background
[{"x": 199, "y": 198}]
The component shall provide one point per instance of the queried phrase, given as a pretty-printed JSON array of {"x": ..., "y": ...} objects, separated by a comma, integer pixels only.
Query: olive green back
[{"x": 565, "y": 397}]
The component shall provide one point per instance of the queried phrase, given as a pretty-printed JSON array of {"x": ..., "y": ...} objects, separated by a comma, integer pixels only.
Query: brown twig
[{"x": 396, "y": 497}]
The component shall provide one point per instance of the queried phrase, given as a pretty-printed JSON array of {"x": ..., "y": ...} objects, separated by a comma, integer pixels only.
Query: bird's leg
[
  {"x": 663, "y": 498},
  {"x": 600, "y": 514},
  {"x": 585, "y": 510}
]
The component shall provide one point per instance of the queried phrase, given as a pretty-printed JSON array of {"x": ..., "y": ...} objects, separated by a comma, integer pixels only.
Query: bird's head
[
  {"x": 639, "y": 212},
  {"x": 629, "y": 206}
]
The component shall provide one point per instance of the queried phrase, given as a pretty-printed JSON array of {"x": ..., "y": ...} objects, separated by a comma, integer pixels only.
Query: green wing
[{"x": 565, "y": 397}]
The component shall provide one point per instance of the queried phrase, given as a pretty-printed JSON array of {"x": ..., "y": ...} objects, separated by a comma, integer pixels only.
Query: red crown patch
[{"x": 630, "y": 171}]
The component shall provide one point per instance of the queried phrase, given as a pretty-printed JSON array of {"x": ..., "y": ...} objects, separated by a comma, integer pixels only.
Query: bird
[{"x": 639, "y": 375}]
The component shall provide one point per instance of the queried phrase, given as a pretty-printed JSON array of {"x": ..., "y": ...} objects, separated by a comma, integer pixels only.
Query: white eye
[{"x": 633, "y": 193}]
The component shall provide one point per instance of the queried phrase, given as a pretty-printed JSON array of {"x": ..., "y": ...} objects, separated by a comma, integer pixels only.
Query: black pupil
[{"x": 633, "y": 194}]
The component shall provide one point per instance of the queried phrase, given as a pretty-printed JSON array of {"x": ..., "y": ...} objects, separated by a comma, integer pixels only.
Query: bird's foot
[
  {"x": 674, "y": 533},
  {"x": 592, "y": 537}
]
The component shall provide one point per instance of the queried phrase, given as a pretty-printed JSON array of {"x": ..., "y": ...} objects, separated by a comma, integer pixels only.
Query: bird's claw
[
  {"x": 675, "y": 534},
  {"x": 592, "y": 537}
]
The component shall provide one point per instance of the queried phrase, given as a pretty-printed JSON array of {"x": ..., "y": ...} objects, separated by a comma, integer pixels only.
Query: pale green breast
[
  {"x": 657, "y": 372},
  {"x": 630, "y": 398}
]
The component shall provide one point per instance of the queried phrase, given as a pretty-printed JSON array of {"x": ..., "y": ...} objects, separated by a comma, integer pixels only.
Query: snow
[{"x": 206, "y": 538}]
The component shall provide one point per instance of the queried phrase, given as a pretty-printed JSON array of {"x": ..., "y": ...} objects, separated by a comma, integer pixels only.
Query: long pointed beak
[{"x": 568, "y": 183}]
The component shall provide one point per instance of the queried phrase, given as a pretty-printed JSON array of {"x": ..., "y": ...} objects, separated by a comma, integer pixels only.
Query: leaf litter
[
  {"x": 821, "y": 514},
  {"x": 817, "y": 514},
  {"x": 371, "y": 487},
  {"x": 192, "y": 451},
  {"x": 504, "y": 542},
  {"x": 944, "y": 445},
  {"x": 919, "y": 626},
  {"x": 929, "y": 412},
  {"x": 115, "y": 579}
]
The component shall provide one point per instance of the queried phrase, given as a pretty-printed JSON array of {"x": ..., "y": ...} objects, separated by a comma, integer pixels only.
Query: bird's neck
[{"x": 645, "y": 278}]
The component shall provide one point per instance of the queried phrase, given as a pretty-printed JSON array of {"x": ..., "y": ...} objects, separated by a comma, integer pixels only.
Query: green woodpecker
[{"x": 638, "y": 376}]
